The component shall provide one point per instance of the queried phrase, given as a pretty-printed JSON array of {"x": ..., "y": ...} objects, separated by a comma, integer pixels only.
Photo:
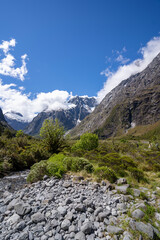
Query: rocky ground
[{"x": 73, "y": 208}]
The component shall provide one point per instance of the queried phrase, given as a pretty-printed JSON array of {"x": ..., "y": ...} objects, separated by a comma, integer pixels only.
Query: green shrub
[
  {"x": 137, "y": 174},
  {"x": 88, "y": 141},
  {"x": 56, "y": 169},
  {"x": 105, "y": 173},
  {"x": 156, "y": 167},
  {"x": 77, "y": 164},
  {"x": 38, "y": 170},
  {"x": 19, "y": 133}
]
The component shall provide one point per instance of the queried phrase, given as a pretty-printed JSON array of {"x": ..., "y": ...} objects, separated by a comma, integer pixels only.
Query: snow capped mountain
[
  {"x": 15, "y": 120},
  {"x": 78, "y": 108}
]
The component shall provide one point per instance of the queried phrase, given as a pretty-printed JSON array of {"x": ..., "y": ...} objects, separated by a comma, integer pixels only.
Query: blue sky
[{"x": 69, "y": 43}]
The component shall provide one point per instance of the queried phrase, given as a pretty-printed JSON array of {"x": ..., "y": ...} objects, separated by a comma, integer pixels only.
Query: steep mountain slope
[
  {"x": 3, "y": 123},
  {"x": 135, "y": 101},
  {"x": 81, "y": 107},
  {"x": 15, "y": 120}
]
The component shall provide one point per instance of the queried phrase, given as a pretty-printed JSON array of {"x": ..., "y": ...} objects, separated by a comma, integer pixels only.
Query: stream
[{"x": 13, "y": 182}]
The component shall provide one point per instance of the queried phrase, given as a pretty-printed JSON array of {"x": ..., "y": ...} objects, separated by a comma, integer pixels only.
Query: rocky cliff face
[
  {"x": 135, "y": 101},
  {"x": 82, "y": 106},
  {"x": 3, "y": 123}
]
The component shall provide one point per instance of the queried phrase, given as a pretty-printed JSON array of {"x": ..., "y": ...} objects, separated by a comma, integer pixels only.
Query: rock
[
  {"x": 121, "y": 206},
  {"x": 122, "y": 181},
  {"x": 98, "y": 210},
  {"x": 20, "y": 226},
  {"x": 157, "y": 216},
  {"x": 67, "y": 184},
  {"x": 22, "y": 209},
  {"x": 103, "y": 215},
  {"x": 80, "y": 236},
  {"x": 62, "y": 210},
  {"x": 80, "y": 208},
  {"x": 145, "y": 228},
  {"x": 37, "y": 217},
  {"x": 23, "y": 236},
  {"x": 87, "y": 228},
  {"x": 114, "y": 230},
  {"x": 13, "y": 219},
  {"x": 12, "y": 204},
  {"x": 65, "y": 224},
  {"x": 68, "y": 201},
  {"x": 123, "y": 188},
  {"x": 137, "y": 214},
  {"x": 136, "y": 192}
]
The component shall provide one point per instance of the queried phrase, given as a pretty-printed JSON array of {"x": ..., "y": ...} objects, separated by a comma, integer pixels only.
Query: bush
[
  {"x": 105, "y": 173},
  {"x": 77, "y": 164},
  {"x": 88, "y": 141},
  {"x": 137, "y": 174},
  {"x": 38, "y": 170},
  {"x": 56, "y": 169}
]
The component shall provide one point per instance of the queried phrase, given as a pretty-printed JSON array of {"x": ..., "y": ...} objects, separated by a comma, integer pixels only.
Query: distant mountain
[
  {"x": 15, "y": 120},
  {"x": 81, "y": 106},
  {"x": 135, "y": 101},
  {"x": 3, "y": 123}
]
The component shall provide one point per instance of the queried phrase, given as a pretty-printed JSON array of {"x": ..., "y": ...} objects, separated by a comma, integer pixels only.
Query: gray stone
[
  {"x": 62, "y": 210},
  {"x": 121, "y": 206},
  {"x": 145, "y": 228},
  {"x": 122, "y": 181},
  {"x": 123, "y": 188},
  {"x": 103, "y": 215},
  {"x": 136, "y": 192},
  {"x": 21, "y": 225},
  {"x": 68, "y": 201},
  {"x": 22, "y": 209},
  {"x": 72, "y": 228},
  {"x": 23, "y": 236},
  {"x": 87, "y": 228},
  {"x": 157, "y": 216},
  {"x": 37, "y": 217},
  {"x": 97, "y": 211},
  {"x": 114, "y": 230},
  {"x": 80, "y": 208},
  {"x": 12, "y": 204},
  {"x": 138, "y": 214},
  {"x": 65, "y": 224},
  {"x": 80, "y": 236},
  {"x": 13, "y": 219}
]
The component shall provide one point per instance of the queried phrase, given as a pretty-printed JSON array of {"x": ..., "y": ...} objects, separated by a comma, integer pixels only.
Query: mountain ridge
[
  {"x": 128, "y": 97},
  {"x": 81, "y": 107}
]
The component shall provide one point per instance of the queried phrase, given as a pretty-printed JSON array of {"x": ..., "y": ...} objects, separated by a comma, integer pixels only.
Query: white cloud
[
  {"x": 122, "y": 59},
  {"x": 149, "y": 52},
  {"x": 5, "y": 46},
  {"x": 7, "y": 63},
  {"x": 12, "y": 99}
]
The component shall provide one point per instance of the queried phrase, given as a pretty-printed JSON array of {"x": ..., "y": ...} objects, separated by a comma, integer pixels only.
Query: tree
[
  {"x": 53, "y": 134},
  {"x": 19, "y": 133}
]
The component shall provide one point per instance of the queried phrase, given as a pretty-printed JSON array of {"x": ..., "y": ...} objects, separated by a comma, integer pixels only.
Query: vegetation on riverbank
[{"x": 135, "y": 159}]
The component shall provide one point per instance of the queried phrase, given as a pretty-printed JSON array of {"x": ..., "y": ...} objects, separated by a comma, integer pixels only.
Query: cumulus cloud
[
  {"x": 5, "y": 46},
  {"x": 12, "y": 99},
  {"x": 7, "y": 63},
  {"x": 149, "y": 52}
]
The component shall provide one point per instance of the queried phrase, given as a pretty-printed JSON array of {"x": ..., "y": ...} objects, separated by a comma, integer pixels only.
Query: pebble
[{"x": 55, "y": 209}]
